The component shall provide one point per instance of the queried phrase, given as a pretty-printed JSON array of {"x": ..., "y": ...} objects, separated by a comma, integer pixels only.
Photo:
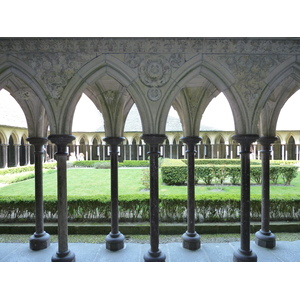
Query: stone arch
[
  {"x": 291, "y": 147},
  {"x": 89, "y": 74},
  {"x": 21, "y": 81},
  {"x": 216, "y": 74},
  {"x": 282, "y": 83}
]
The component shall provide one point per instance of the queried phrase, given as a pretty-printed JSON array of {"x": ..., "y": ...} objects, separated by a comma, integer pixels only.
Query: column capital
[
  {"x": 191, "y": 140},
  {"x": 61, "y": 141},
  {"x": 245, "y": 141},
  {"x": 153, "y": 138},
  {"x": 37, "y": 140},
  {"x": 110, "y": 140},
  {"x": 267, "y": 140}
]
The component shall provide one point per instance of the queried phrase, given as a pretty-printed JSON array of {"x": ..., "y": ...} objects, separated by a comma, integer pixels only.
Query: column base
[
  {"x": 191, "y": 241},
  {"x": 155, "y": 256},
  {"x": 244, "y": 256},
  {"x": 115, "y": 242},
  {"x": 39, "y": 241},
  {"x": 265, "y": 239},
  {"x": 67, "y": 256}
]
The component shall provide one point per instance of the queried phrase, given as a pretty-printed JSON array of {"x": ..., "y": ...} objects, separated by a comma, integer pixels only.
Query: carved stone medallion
[{"x": 155, "y": 70}]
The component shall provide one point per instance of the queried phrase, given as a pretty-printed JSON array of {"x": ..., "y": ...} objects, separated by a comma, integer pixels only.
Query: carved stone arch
[
  {"x": 3, "y": 138},
  {"x": 88, "y": 75},
  {"x": 217, "y": 75},
  {"x": 15, "y": 137},
  {"x": 282, "y": 83},
  {"x": 21, "y": 81}
]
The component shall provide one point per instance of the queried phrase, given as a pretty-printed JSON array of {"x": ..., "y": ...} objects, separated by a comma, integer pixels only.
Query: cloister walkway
[{"x": 134, "y": 252}]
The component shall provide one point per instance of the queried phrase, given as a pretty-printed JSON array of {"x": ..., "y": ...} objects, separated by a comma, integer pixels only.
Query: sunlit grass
[{"x": 88, "y": 182}]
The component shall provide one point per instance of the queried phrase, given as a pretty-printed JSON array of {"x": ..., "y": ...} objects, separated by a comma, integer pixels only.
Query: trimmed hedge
[
  {"x": 105, "y": 163},
  {"x": 133, "y": 208},
  {"x": 175, "y": 173},
  {"x": 22, "y": 169}
]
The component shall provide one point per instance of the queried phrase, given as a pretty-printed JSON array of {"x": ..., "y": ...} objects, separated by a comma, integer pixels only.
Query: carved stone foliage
[
  {"x": 154, "y": 70},
  {"x": 251, "y": 72}
]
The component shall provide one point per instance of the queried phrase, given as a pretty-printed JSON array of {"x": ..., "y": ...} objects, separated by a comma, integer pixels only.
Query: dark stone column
[
  {"x": 191, "y": 239},
  {"x": 244, "y": 253},
  {"x": 154, "y": 254},
  {"x": 115, "y": 239},
  {"x": 63, "y": 254},
  {"x": 264, "y": 237},
  {"x": 40, "y": 239}
]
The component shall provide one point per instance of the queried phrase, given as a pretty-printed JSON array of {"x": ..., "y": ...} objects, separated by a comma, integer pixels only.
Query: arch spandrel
[
  {"x": 284, "y": 83},
  {"x": 20, "y": 80},
  {"x": 89, "y": 77}
]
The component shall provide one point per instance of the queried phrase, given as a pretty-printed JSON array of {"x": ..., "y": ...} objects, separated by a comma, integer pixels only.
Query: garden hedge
[
  {"x": 174, "y": 172},
  {"x": 105, "y": 163},
  {"x": 135, "y": 208}
]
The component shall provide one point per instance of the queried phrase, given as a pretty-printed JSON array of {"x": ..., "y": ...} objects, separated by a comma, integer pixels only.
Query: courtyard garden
[{"x": 217, "y": 191}]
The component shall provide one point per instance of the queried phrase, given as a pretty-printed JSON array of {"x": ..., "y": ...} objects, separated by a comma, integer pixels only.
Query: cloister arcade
[
  {"x": 15, "y": 150},
  {"x": 48, "y": 76}
]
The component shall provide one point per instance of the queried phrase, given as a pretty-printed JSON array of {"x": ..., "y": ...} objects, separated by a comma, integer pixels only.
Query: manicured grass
[{"x": 88, "y": 182}]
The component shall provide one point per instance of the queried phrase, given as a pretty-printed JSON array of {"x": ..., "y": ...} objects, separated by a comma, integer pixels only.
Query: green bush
[
  {"x": 132, "y": 208},
  {"x": 134, "y": 163},
  {"x": 102, "y": 165},
  {"x": 256, "y": 174},
  {"x": 288, "y": 173},
  {"x": 173, "y": 172}
]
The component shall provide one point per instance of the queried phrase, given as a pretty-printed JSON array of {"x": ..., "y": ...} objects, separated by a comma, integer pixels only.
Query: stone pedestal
[
  {"x": 264, "y": 237},
  {"x": 115, "y": 239},
  {"x": 245, "y": 254},
  {"x": 63, "y": 254},
  {"x": 191, "y": 239},
  {"x": 154, "y": 254},
  {"x": 40, "y": 239}
]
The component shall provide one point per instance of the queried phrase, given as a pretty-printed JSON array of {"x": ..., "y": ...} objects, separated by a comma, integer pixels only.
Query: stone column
[
  {"x": 191, "y": 239},
  {"x": 264, "y": 237},
  {"x": 40, "y": 239},
  {"x": 244, "y": 253},
  {"x": 154, "y": 254},
  {"x": 17, "y": 155},
  {"x": 4, "y": 155},
  {"x": 115, "y": 239},
  {"x": 63, "y": 254}
]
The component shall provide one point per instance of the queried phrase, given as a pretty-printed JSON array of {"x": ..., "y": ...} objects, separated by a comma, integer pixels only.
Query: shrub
[
  {"x": 173, "y": 172},
  {"x": 205, "y": 173},
  {"x": 288, "y": 173},
  {"x": 133, "y": 208},
  {"x": 134, "y": 163},
  {"x": 146, "y": 178},
  {"x": 256, "y": 174},
  {"x": 102, "y": 165}
]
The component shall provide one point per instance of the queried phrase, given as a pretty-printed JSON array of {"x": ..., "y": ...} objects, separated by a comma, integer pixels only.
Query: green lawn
[{"x": 87, "y": 182}]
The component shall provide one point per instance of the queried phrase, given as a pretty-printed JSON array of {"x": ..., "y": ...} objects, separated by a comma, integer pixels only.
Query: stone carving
[
  {"x": 155, "y": 70},
  {"x": 109, "y": 95},
  {"x": 251, "y": 72},
  {"x": 132, "y": 60},
  {"x": 154, "y": 94},
  {"x": 176, "y": 60},
  {"x": 151, "y": 45}
]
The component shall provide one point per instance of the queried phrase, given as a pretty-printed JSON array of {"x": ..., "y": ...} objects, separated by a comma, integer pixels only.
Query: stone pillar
[
  {"x": 264, "y": 237},
  {"x": 191, "y": 239},
  {"x": 63, "y": 254},
  {"x": 154, "y": 254},
  {"x": 4, "y": 155},
  {"x": 115, "y": 239},
  {"x": 244, "y": 253},
  {"x": 40, "y": 239},
  {"x": 17, "y": 155},
  {"x": 27, "y": 154}
]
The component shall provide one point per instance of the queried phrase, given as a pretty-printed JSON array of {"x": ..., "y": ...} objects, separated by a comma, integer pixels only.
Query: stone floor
[{"x": 134, "y": 252}]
